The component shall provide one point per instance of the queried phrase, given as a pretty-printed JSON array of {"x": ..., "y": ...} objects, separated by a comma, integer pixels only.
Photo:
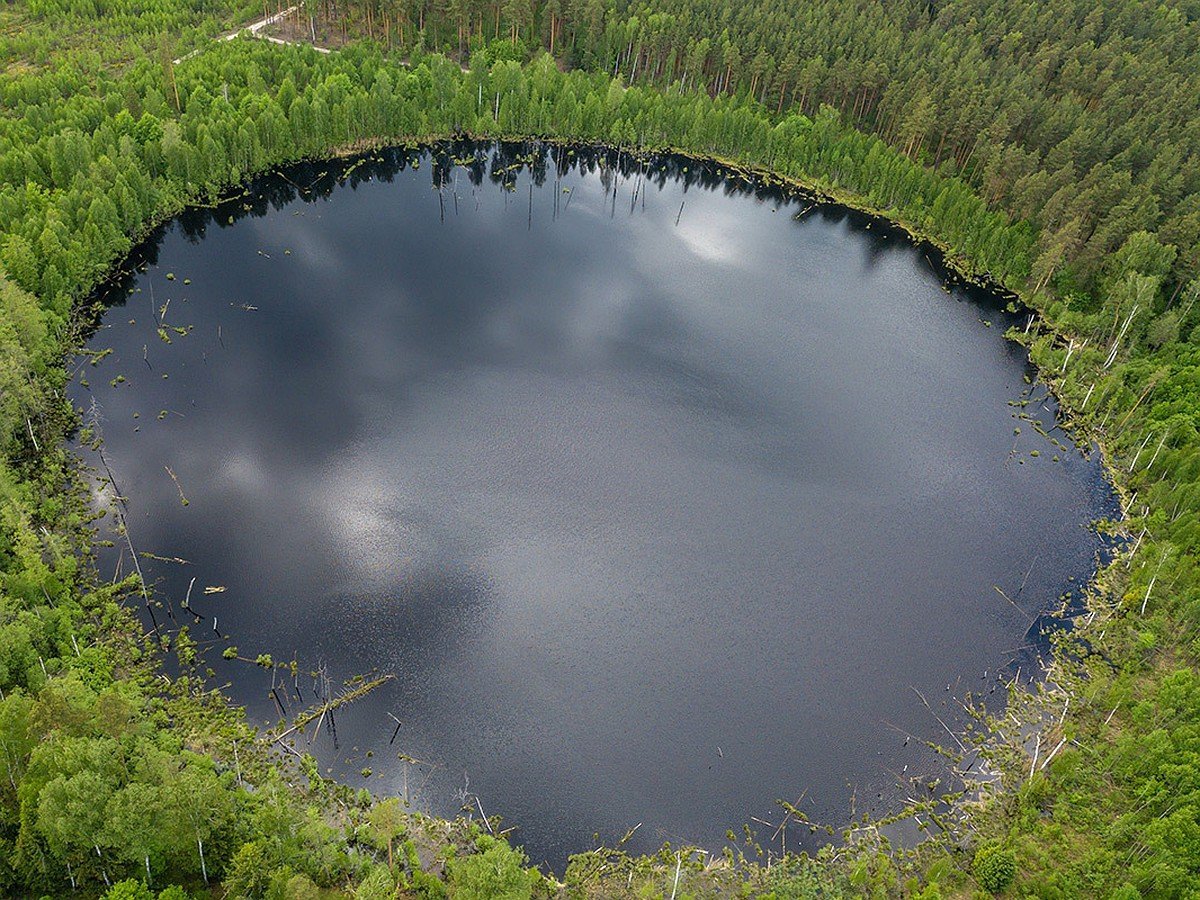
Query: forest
[{"x": 1051, "y": 149}]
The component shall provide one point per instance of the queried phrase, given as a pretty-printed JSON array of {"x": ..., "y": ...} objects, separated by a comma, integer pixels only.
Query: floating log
[{"x": 349, "y": 696}]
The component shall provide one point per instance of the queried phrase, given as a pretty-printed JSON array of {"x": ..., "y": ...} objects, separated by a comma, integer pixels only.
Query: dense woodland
[
  {"x": 1080, "y": 117},
  {"x": 1051, "y": 147}
]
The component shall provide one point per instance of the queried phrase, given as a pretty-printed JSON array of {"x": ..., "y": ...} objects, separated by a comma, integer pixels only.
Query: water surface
[{"x": 657, "y": 514}]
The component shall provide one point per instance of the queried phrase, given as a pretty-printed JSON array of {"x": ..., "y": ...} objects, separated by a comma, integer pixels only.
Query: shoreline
[{"x": 791, "y": 187}]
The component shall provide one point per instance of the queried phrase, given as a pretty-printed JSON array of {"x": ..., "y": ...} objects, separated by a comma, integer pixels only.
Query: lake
[{"x": 661, "y": 493}]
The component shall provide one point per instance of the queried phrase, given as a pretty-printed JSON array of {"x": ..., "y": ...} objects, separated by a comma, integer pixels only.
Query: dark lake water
[{"x": 656, "y": 516}]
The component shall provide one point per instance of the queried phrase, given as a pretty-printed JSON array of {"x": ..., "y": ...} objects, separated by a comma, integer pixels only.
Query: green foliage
[
  {"x": 994, "y": 867},
  {"x": 802, "y": 879},
  {"x": 386, "y": 822},
  {"x": 377, "y": 885},
  {"x": 1163, "y": 330},
  {"x": 495, "y": 872},
  {"x": 287, "y": 885},
  {"x": 129, "y": 890},
  {"x": 427, "y": 886},
  {"x": 1074, "y": 116}
]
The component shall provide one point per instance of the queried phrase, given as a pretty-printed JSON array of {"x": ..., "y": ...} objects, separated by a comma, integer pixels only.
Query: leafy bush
[
  {"x": 129, "y": 890},
  {"x": 288, "y": 886},
  {"x": 803, "y": 879},
  {"x": 427, "y": 886},
  {"x": 496, "y": 872},
  {"x": 378, "y": 885},
  {"x": 249, "y": 874},
  {"x": 995, "y": 867}
]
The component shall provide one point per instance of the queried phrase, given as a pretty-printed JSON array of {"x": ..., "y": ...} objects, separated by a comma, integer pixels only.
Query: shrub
[
  {"x": 249, "y": 874},
  {"x": 496, "y": 872},
  {"x": 300, "y": 887},
  {"x": 378, "y": 885},
  {"x": 995, "y": 867},
  {"x": 129, "y": 890}
]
